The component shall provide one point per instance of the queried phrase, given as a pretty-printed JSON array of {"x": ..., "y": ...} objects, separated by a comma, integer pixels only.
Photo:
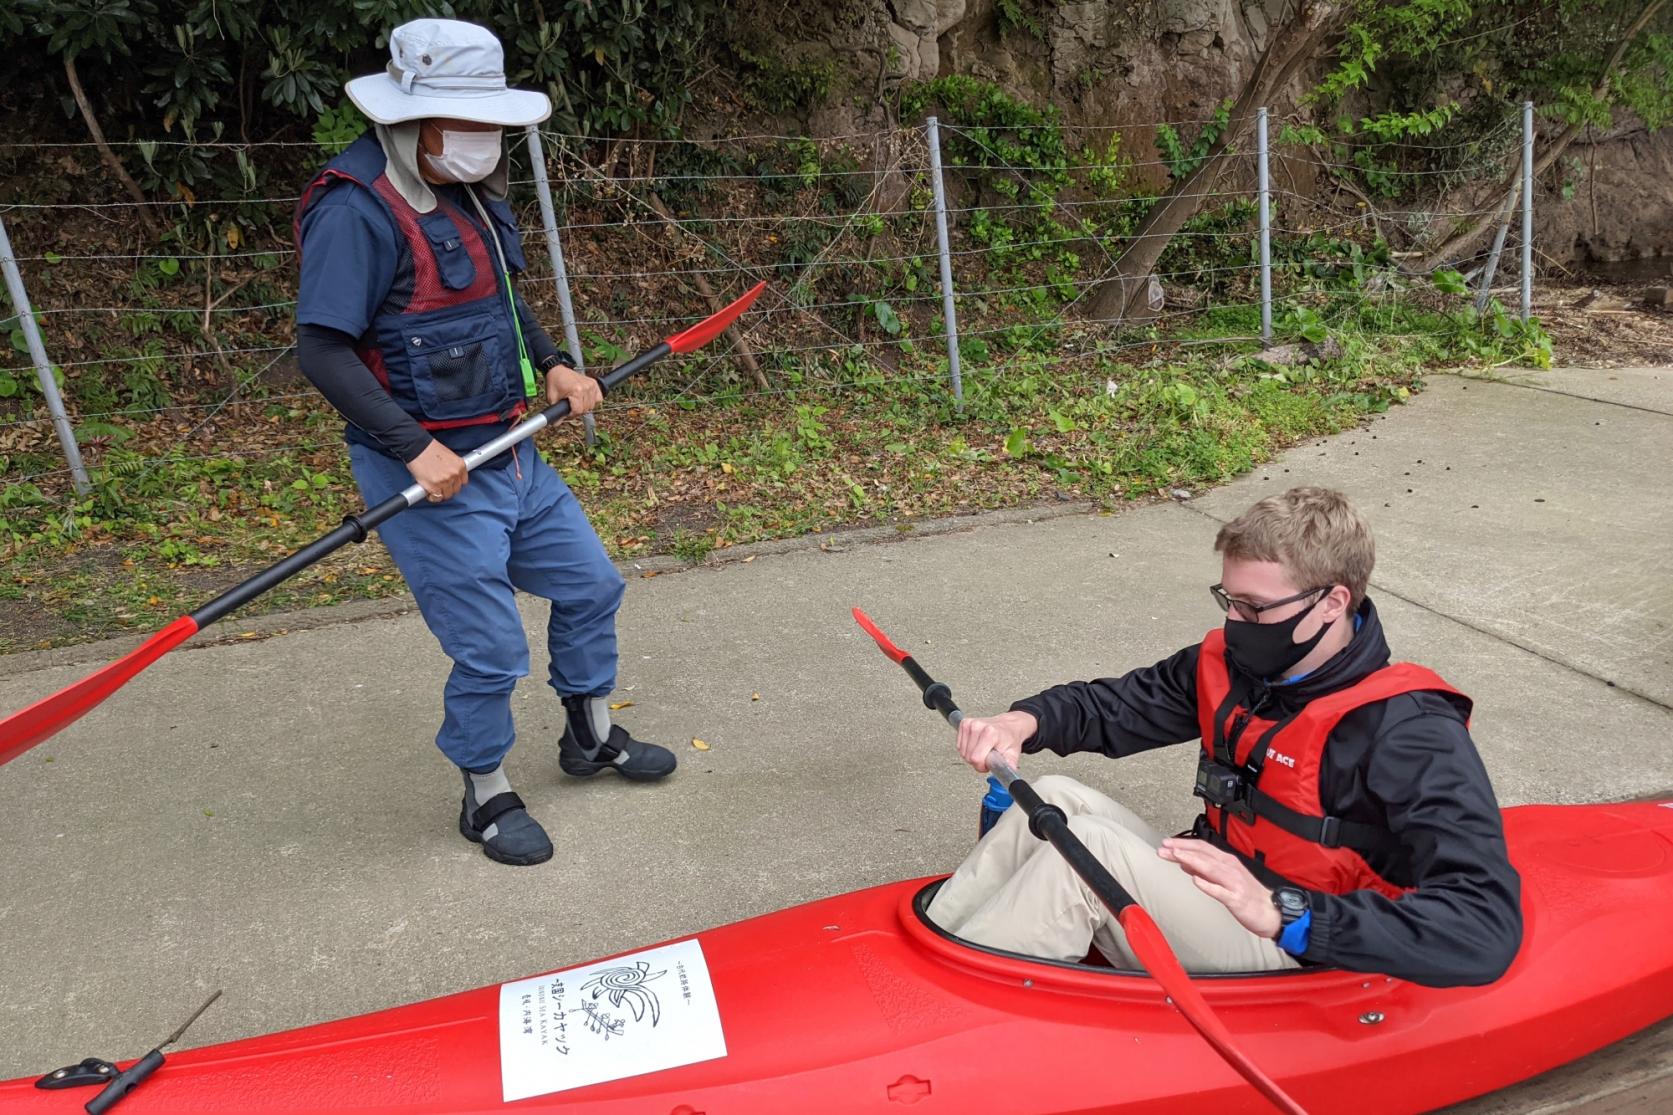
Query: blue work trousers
[{"x": 513, "y": 527}]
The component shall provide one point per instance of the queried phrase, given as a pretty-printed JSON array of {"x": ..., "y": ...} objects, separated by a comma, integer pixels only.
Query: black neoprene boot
[
  {"x": 591, "y": 744},
  {"x": 494, "y": 817}
]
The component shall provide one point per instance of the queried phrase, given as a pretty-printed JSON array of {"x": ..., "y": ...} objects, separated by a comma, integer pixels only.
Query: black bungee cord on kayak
[{"x": 117, "y": 1084}]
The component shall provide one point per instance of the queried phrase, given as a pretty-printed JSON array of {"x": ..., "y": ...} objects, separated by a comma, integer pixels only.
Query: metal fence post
[
  {"x": 43, "y": 367},
  {"x": 1527, "y": 209},
  {"x": 948, "y": 313},
  {"x": 1484, "y": 292},
  {"x": 560, "y": 274},
  {"x": 1266, "y": 228}
]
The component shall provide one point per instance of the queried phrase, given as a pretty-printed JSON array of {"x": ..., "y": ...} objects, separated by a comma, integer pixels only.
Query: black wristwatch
[{"x": 1291, "y": 903}]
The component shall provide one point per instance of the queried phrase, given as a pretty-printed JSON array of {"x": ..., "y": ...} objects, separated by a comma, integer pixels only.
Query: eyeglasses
[{"x": 1251, "y": 612}]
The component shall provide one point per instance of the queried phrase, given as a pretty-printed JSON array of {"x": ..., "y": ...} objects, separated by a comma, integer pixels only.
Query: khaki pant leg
[
  {"x": 1080, "y": 800},
  {"x": 1009, "y": 844},
  {"x": 1045, "y": 909}
]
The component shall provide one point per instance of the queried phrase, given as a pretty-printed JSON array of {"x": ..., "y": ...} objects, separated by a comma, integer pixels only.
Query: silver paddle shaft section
[
  {"x": 415, "y": 494},
  {"x": 998, "y": 766}
]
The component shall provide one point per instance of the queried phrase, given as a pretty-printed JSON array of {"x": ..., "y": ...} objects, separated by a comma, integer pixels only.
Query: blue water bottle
[{"x": 994, "y": 803}]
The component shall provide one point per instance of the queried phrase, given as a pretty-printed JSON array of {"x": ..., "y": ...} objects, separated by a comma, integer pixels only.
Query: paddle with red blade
[
  {"x": 1049, "y": 823},
  {"x": 27, "y": 727}
]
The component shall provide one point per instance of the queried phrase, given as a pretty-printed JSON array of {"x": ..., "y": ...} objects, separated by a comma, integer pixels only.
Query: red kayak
[{"x": 855, "y": 1004}]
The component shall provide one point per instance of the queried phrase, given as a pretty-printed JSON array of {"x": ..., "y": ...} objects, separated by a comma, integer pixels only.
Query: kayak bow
[{"x": 857, "y": 1005}]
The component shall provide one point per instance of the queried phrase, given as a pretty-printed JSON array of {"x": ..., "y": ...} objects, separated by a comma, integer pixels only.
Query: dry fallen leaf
[
  {"x": 621, "y": 705},
  {"x": 755, "y": 696},
  {"x": 751, "y": 558},
  {"x": 699, "y": 744}
]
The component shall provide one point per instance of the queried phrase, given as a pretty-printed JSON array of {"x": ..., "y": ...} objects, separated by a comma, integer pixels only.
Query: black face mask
[{"x": 1266, "y": 650}]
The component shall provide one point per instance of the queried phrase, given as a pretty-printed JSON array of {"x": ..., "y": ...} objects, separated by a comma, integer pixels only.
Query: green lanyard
[{"x": 530, "y": 388}]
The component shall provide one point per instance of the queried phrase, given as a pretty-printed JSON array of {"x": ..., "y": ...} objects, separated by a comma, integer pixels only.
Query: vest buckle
[{"x": 1330, "y": 832}]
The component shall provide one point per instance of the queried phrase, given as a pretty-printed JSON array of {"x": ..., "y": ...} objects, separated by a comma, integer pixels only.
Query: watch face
[{"x": 1292, "y": 900}]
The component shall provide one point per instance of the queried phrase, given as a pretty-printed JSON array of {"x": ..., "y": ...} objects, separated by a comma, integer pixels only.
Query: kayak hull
[{"x": 854, "y": 1004}]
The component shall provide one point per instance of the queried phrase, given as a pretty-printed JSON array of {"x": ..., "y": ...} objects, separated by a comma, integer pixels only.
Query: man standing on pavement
[{"x": 408, "y": 323}]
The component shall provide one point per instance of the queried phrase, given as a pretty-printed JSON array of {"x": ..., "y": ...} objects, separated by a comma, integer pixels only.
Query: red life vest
[
  {"x": 443, "y": 343},
  {"x": 1274, "y": 818}
]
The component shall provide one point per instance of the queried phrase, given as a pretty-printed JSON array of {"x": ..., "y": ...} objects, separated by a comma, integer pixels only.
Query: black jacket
[{"x": 1406, "y": 764}]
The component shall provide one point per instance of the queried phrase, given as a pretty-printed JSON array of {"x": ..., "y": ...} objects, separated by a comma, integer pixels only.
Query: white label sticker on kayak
[{"x": 641, "y": 1013}]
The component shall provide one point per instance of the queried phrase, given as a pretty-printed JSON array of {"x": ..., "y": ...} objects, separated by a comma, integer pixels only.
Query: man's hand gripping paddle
[
  {"x": 27, "y": 727},
  {"x": 1048, "y": 822}
]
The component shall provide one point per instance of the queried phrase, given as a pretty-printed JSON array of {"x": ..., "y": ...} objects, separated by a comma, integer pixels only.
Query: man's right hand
[
  {"x": 439, "y": 471},
  {"x": 1005, "y": 733}
]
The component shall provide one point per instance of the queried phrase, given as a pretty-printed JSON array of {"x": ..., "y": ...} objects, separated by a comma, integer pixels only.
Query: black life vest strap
[
  {"x": 1257, "y": 754},
  {"x": 1202, "y": 830},
  {"x": 1220, "y": 748},
  {"x": 1328, "y": 832}
]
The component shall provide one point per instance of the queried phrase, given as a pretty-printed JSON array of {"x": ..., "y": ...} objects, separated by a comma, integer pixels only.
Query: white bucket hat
[{"x": 449, "y": 69}]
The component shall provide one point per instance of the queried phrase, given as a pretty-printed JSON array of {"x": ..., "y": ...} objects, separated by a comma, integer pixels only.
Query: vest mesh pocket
[{"x": 461, "y": 372}]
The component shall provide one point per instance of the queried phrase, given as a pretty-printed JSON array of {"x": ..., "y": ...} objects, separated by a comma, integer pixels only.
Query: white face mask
[{"x": 466, "y": 156}]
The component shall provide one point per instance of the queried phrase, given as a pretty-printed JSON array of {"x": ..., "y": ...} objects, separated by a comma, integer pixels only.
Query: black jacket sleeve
[
  {"x": 328, "y": 359},
  {"x": 1462, "y": 926},
  {"x": 1150, "y": 707}
]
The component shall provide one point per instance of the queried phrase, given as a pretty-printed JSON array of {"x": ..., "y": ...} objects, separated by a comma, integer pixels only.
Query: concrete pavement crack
[{"x": 1557, "y": 391}]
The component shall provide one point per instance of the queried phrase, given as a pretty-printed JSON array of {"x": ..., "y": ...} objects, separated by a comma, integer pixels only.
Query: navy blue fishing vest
[{"x": 443, "y": 343}]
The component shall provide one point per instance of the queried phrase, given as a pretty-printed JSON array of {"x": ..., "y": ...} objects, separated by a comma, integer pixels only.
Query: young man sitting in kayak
[{"x": 1348, "y": 822}]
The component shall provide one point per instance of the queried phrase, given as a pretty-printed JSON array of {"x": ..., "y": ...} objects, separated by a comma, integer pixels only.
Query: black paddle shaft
[
  {"x": 1045, "y": 820},
  {"x": 937, "y": 696},
  {"x": 1048, "y": 822},
  {"x": 356, "y": 527}
]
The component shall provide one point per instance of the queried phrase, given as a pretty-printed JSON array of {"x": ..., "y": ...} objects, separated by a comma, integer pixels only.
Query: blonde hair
[{"x": 1314, "y": 533}]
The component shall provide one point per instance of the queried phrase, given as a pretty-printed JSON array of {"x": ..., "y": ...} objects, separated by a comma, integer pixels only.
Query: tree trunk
[
  {"x": 105, "y": 152},
  {"x": 1460, "y": 241},
  {"x": 740, "y": 347},
  {"x": 1126, "y": 293}
]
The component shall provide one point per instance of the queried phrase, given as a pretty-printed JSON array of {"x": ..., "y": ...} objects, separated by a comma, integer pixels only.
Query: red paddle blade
[
  {"x": 45, "y": 718},
  {"x": 711, "y": 327},
  {"x": 1154, "y": 952},
  {"x": 896, "y": 655}
]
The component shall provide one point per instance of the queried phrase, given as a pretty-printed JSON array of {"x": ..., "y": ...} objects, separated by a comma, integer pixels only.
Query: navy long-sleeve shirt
[{"x": 1406, "y": 764}]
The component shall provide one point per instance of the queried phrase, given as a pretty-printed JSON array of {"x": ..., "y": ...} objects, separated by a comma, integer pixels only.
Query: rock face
[
  {"x": 915, "y": 28},
  {"x": 1136, "y": 62},
  {"x": 1621, "y": 200},
  {"x": 1087, "y": 55}
]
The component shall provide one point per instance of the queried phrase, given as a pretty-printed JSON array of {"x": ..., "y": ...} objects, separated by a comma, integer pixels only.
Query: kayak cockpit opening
[{"x": 1094, "y": 962}]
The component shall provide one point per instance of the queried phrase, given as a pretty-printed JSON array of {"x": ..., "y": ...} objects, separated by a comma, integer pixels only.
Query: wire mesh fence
[{"x": 193, "y": 343}]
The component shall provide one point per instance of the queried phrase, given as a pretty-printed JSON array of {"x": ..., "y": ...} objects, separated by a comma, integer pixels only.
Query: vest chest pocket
[
  {"x": 456, "y": 369},
  {"x": 447, "y": 245}
]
